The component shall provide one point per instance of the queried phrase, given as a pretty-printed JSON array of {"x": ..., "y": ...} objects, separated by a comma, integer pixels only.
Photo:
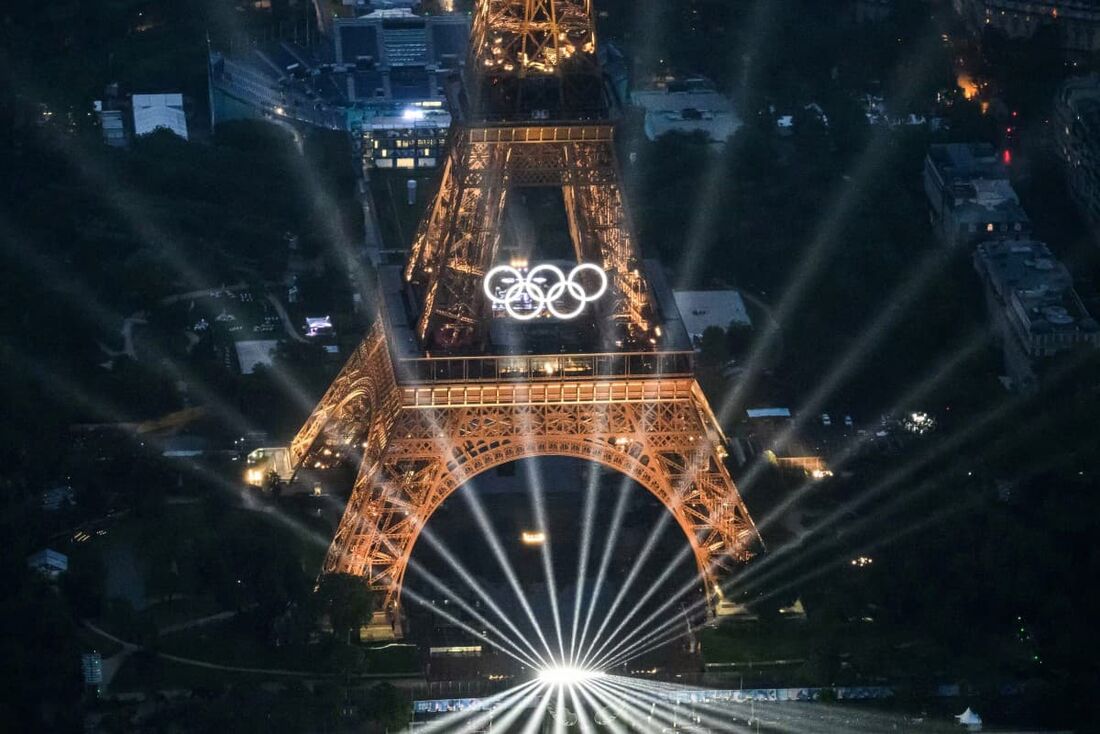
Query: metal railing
[{"x": 543, "y": 367}]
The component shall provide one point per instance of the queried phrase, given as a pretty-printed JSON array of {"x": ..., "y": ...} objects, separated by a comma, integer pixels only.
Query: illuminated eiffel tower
[{"x": 446, "y": 384}]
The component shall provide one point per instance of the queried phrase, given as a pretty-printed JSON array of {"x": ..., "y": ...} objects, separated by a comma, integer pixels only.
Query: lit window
[{"x": 989, "y": 227}]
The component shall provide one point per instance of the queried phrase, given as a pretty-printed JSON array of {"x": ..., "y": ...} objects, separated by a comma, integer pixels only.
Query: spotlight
[{"x": 567, "y": 675}]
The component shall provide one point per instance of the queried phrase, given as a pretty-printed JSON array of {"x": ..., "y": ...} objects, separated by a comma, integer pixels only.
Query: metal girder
[
  {"x": 456, "y": 242},
  {"x": 531, "y": 37},
  {"x": 418, "y": 442},
  {"x": 352, "y": 419},
  {"x": 666, "y": 445}
]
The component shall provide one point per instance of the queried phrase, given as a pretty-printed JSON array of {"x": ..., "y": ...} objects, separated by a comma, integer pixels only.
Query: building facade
[
  {"x": 398, "y": 65},
  {"x": 1077, "y": 140},
  {"x": 1077, "y": 21},
  {"x": 383, "y": 77},
  {"x": 969, "y": 195},
  {"x": 1034, "y": 307}
]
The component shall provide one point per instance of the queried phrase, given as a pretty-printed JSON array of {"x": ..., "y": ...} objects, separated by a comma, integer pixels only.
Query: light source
[{"x": 568, "y": 675}]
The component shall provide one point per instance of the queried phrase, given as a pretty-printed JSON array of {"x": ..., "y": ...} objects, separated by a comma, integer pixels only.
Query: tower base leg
[{"x": 382, "y": 627}]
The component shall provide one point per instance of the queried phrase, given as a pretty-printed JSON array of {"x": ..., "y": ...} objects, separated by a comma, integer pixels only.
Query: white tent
[{"x": 970, "y": 720}]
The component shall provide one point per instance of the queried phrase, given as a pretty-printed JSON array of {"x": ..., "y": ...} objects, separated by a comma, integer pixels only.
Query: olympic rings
[{"x": 543, "y": 297}]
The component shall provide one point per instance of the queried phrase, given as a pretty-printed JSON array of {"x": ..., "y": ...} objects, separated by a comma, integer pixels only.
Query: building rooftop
[
  {"x": 1026, "y": 275},
  {"x": 156, "y": 111},
  {"x": 687, "y": 106},
  {"x": 966, "y": 161},
  {"x": 702, "y": 309},
  {"x": 398, "y": 38}
]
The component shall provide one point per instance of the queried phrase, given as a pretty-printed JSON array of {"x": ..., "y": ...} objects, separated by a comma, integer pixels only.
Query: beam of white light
[
  {"x": 918, "y": 392},
  {"x": 538, "y": 502},
  {"x": 149, "y": 231},
  {"x": 900, "y": 300},
  {"x": 584, "y": 722},
  {"x": 129, "y": 204},
  {"x": 110, "y": 413},
  {"x": 830, "y": 231},
  {"x": 884, "y": 516},
  {"x": 568, "y": 675},
  {"x": 657, "y": 585},
  {"x": 660, "y": 698},
  {"x": 561, "y": 713},
  {"x": 789, "y": 717},
  {"x": 837, "y": 561},
  {"x": 499, "y": 715},
  {"x": 749, "y": 573},
  {"x": 504, "y": 699},
  {"x": 661, "y": 636},
  {"x": 427, "y": 604},
  {"x": 953, "y": 443},
  {"x": 637, "y": 716},
  {"x": 993, "y": 416},
  {"x": 331, "y": 220},
  {"x": 512, "y": 712},
  {"x": 786, "y": 717},
  {"x": 605, "y": 560},
  {"x": 639, "y": 562},
  {"x": 474, "y": 584},
  {"x": 656, "y": 613},
  {"x": 656, "y": 640},
  {"x": 658, "y": 707},
  {"x": 502, "y": 716},
  {"x": 502, "y": 559},
  {"x": 75, "y": 291},
  {"x": 588, "y": 518},
  {"x": 438, "y": 583},
  {"x": 612, "y": 721},
  {"x": 534, "y": 724}
]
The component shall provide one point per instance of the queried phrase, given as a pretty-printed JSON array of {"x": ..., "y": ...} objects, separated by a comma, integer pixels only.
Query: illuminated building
[
  {"x": 1077, "y": 139},
  {"x": 970, "y": 196},
  {"x": 384, "y": 78},
  {"x": 1033, "y": 304},
  {"x": 397, "y": 68},
  {"x": 440, "y": 391}
]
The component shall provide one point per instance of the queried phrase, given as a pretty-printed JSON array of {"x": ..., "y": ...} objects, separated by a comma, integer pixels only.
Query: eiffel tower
[{"x": 456, "y": 378}]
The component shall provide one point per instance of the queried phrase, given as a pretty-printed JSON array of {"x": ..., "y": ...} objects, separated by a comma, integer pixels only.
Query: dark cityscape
[{"x": 549, "y": 366}]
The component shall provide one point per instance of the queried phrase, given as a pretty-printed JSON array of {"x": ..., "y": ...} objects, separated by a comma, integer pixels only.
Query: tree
[
  {"x": 388, "y": 706},
  {"x": 347, "y": 600}
]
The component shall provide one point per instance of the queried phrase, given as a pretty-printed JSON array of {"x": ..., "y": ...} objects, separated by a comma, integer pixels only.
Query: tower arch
[{"x": 664, "y": 446}]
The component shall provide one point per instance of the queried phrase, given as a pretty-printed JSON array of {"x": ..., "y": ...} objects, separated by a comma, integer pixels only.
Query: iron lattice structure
[
  {"x": 457, "y": 242},
  {"x": 417, "y": 440},
  {"x": 534, "y": 57},
  {"x": 418, "y": 443}
]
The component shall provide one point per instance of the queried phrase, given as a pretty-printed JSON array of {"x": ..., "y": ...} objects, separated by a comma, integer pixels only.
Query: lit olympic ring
[{"x": 542, "y": 287}]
